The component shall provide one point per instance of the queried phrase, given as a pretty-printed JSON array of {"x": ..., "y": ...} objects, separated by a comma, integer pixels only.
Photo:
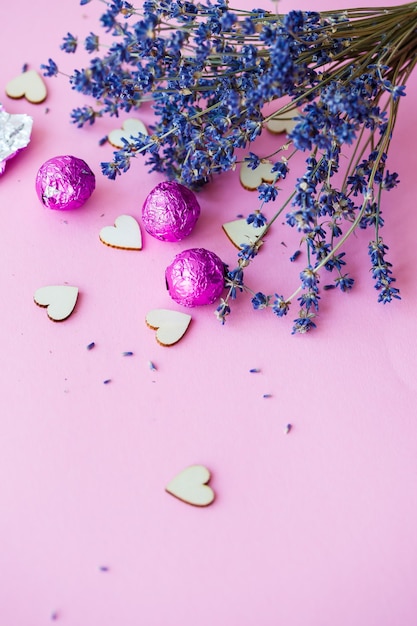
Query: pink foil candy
[
  {"x": 195, "y": 277},
  {"x": 170, "y": 211},
  {"x": 15, "y": 130},
  {"x": 64, "y": 182}
]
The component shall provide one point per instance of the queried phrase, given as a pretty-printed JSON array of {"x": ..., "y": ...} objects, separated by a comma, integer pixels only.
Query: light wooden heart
[
  {"x": 30, "y": 85},
  {"x": 283, "y": 123},
  {"x": 170, "y": 325},
  {"x": 131, "y": 128},
  {"x": 124, "y": 234},
  {"x": 241, "y": 233},
  {"x": 191, "y": 486},
  {"x": 60, "y": 300},
  {"x": 251, "y": 179}
]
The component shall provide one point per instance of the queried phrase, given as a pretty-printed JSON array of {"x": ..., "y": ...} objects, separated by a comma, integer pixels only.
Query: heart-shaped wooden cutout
[
  {"x": 170, "y": 325},
  {"x": 251, "y": 179},
  {"x": 60, "y": 300},
  {"x": 283, "y": 123},
  {"x": 241, "y": 233},
  {"x": 124, "y": 234},
  {"x": 131, "y": 128},
  {"x": 191, "y": 486},
  {"x": 30, "y": 85}
]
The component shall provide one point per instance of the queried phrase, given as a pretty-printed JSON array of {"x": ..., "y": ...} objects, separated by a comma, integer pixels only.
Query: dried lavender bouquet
[{"x": 211, "y": 71}]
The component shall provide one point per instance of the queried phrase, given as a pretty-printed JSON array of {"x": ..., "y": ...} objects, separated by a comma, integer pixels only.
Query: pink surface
[{"x": 313, "y": 528}]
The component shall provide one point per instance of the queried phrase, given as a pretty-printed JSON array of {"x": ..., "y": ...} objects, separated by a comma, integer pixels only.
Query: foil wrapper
[
  {"x": 15, "y": 130},
  {"x": 64, "y": 182},
  {"x": 195, "y": 277},
  {"x": 170, "y": 211}
]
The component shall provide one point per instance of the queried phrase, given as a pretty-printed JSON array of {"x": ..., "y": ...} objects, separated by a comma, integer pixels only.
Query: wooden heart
[
  {"x": 30, "y": 85},
  {"x": 283, "y": 123},
  {"x": 241, "y": 233},
  {"x": 191, "y": 487},
  {"x": 124, "y": 234},
  {"x": 170, "y": 325},
  {"x": 60, "y": 300},
  {"x": 251, "y": 179},
  {"x": 131, "y": 128}
]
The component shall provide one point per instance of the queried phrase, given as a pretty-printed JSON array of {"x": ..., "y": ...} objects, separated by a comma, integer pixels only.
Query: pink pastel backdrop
[{"x": 312, "y": 528}]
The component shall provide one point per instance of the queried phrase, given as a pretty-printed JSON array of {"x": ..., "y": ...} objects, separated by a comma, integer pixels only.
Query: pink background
[{"x": 313, "y": 528}]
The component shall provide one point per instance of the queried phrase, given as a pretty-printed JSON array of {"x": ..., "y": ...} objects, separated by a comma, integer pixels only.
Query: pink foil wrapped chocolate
[
  {"x": 64, "y": 182},
  {"x": 15, "y": 130},
  {"x": 195, "y": 277},
  {"x": 170, "y": 211}
]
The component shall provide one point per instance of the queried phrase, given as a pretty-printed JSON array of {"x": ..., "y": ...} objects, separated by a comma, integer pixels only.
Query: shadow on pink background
[{"x": 312, "y": 528}]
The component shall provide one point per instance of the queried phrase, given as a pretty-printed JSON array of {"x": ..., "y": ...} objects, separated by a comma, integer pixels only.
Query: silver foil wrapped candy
[
  {"x": 170, "y": 211},
  {"x": 64, "y": 182},
  {"x": 195, "y": 277},
  {"x": 15, "y": 130}
]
